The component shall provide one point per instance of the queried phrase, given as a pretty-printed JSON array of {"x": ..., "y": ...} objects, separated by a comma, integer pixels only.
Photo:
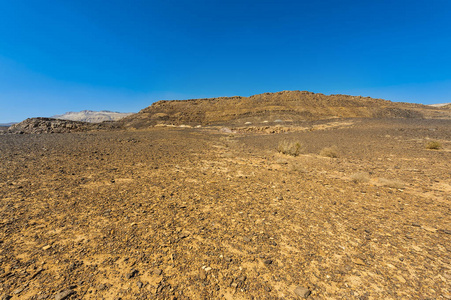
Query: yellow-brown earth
[{"x": 205, "y": 213}]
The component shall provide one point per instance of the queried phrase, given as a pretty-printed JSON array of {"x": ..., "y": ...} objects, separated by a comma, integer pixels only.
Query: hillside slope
[{"x": 287, "y": 105}]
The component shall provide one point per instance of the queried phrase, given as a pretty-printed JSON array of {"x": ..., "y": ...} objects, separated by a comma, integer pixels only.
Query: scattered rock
[
  {"x": 358, "y": 261},
  {"x": 267, "y": 261},
  {"x": 246, "y": 239},
  {"x": 140, "y": 284},
  {"x": 428, "y": 228},
  {"x": 225, "y": 130},
  {"x": 302, "y": 292},
  {"x": 202, "y": 274},
  {"x": 38, "y": 271},
  {"x": 132, "y": 274},
  {"x": 19, "y": 290},
  {"x": 46, "y": 247},
  {"x": 5, "y": 297},
  {"x": 64, "y": 294},
  {"x": 158, "y": 272}
]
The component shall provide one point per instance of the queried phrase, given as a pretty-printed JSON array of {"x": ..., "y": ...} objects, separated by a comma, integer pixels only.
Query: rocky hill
[
  {"x": 92, "y": 116},
  {"x": 292, "y": 106}
]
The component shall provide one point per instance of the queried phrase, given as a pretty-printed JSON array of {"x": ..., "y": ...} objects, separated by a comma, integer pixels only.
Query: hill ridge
[{"x": 286, "y": 105}]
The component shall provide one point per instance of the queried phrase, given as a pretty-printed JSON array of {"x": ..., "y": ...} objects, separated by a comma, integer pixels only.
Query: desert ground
[{"x": 220, "y": 213}]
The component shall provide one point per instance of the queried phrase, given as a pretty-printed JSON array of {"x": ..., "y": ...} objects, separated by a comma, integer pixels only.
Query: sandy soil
[{"x": 184, "y": 213}]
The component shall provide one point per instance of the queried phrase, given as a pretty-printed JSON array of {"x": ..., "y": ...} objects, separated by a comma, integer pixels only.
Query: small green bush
[
  {"x": 433, "y": 145},
  {"x": 289, "y": 148}
]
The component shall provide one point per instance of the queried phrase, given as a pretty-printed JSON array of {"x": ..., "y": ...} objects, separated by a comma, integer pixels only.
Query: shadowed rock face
[
  {"x": 48, "y": 125},
  {"x": 286, "y": 105}
]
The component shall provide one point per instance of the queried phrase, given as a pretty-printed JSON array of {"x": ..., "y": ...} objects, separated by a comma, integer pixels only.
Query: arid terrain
[{"x": 361, "y": 209}]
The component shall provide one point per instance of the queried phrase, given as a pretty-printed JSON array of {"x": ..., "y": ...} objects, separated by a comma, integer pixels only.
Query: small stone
[
  {"x": 302, "y": 292},
  {"x": 64, "y": 294},
  {"x": 19, "y": 290},
  {"x": 268, "y": 261},
  {"x": 358, "y": 261},
  {"x": 202, "y": 274},
  {"x": 38, "y": 271},
  {"x": 46, "y": 247},
  {"x": 139, "y": 284},
  {"x": 246, "y": 239},
  {"x": 131, "y": 274},
  {"x": 428, "y": 228},
  {"x": 5, "y": 297},
  {"x": 158, "y": 272}
]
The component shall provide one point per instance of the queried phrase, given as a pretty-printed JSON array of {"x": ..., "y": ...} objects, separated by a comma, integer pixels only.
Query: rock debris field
[{"x": 205, "y": 213}]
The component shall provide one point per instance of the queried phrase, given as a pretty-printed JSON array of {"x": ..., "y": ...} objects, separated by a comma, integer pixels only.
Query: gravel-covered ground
[{"x": 205, "y": 213}]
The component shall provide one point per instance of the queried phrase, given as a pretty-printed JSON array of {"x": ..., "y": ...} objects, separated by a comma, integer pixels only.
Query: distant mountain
[
  {"x": 447, "y": 105},
  {"x": 92, "y": 116},
  {"x": 7, "y": 124}
]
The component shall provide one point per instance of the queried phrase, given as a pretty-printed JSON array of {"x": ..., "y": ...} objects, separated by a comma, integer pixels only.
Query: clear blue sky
[{"x": 61, "y": 55}]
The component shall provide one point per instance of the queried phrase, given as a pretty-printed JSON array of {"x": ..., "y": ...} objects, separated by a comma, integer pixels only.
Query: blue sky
[{"x": 58, "y": 56}]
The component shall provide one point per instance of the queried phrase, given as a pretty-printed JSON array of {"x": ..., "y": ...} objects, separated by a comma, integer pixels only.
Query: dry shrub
[
  {"x": 289, "y": 148},
  {"x": 396, "y": 184},
  {"x": 330, "y": 152},
  {"x": 433, "y": 145},
  {"x": 360, "y": 177}
]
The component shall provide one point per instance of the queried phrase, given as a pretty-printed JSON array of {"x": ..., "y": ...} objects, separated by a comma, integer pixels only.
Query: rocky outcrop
[{"x": 48, "y": 125}]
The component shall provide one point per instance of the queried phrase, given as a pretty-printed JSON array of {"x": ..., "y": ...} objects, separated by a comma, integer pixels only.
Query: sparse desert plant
[
  {"x": 396, "y": 184},
  {"x": 434, "y": 145},
  {"x": 292, "y": 148},
  {"x": 330, "y": 152},
  {"x": 360, "y": 177}
]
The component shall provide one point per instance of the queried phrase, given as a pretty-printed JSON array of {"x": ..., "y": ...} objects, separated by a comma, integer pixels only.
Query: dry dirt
[{"x": 205, "y": 213}]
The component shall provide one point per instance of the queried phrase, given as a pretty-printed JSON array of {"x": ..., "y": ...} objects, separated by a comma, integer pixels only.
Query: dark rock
[
  {"x": 131, "y": 274},
  {"x": 38, "y": 271},
  {"x": 267, "y": 261},
  {"x": 302, "y": 292}
]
